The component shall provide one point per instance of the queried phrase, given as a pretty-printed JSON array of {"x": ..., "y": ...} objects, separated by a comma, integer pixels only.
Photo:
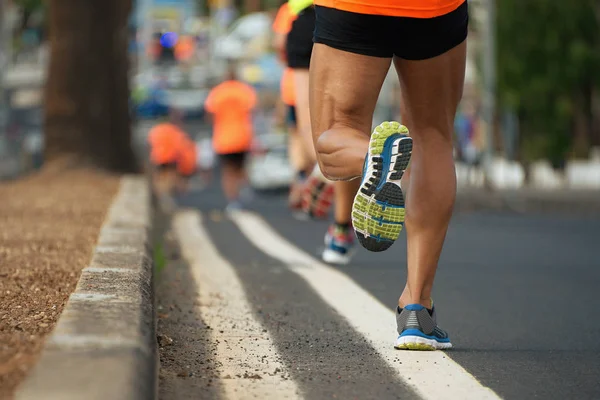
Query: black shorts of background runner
[
  {"x": 385, "y": 36},
  {"x": 291, "y": 116},
  {"x": 236, "y": 160},
  {"x": 299, "y": 41},
  {"x": 189, "y": 175},
  {"x": 166, "y": 166}
]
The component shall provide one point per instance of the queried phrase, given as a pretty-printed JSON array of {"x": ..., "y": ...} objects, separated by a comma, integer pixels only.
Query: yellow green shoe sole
[
  {"x": 415, "y": 346},
  {"x": 378, "y": 210}
]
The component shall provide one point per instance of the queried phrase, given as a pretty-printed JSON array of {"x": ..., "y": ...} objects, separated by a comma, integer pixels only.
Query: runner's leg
[
  {"x": 342, "y": 115},
  {"x": 299, "y": 164},
  {"x": 344, "y": 197},
  {"x": 431, "y": 92},
  {"x": 344, "y": 91},
  {"x": 339, "y": 239},
  {"x": 231, "y": 177},
  {"x": 303, "y": 115},
  {"x": 432, "y": 89},
  {"x": 317, "y": 194}
]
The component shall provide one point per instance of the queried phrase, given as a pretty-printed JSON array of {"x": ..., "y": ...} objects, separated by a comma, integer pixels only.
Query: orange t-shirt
[
  {"x": 184, "y": 49},
  {"x": 395, "y": 8},
  {"x": 165, "y": 142},
  {"x": 288, "y": 91},
  {"x": 283, "y": 20},
  {"x": 231, "y": 103}
]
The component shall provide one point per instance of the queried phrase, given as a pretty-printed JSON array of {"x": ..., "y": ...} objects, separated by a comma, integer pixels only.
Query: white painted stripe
[
  {"x": 433, "y": 375},
  {"x": 244, "y": 348}
]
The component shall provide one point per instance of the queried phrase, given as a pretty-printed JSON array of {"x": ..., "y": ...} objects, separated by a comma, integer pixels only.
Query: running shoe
[
  {"x": 338, "y": 245},
  {"x": 233, "y": 207},
  {"x": 418, "y": 330},
  {"x": 247, "y": 194},
  {"x": 378, "y": 209},
  {"x": 318, "y": 195}
]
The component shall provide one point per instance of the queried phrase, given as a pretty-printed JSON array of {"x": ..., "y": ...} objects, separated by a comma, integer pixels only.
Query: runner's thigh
[
  {"x": 431, "y": 69},
  {"x": 347, "y": 69}
]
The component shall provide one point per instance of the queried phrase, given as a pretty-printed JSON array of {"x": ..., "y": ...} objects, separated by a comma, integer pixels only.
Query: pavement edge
[{"x": 104, "y": 344}]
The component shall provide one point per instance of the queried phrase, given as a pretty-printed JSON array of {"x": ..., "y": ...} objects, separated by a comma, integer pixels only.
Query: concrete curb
[{"x": 104, "y": 345}]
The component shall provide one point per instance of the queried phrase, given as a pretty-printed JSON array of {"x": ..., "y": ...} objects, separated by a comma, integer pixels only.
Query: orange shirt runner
[
  {"x": 184, "y": 49},
  {"x": 287, "y": 88},
  {"x": 395, "y": 8},
  {"x": 231, "y": 103},
  {"x": 283, "y": 20},
  {"x": 186, "y": 163},
  {"x": 282, "y": 25},
  {"x": 165, "y": 141}
]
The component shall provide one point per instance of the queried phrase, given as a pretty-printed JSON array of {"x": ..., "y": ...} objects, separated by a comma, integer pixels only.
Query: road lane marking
[
  {"x": 248, "y": 359},
  {"x": 433, "y": 375}
]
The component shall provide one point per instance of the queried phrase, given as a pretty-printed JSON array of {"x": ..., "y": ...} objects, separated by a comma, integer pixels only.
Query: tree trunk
[
  {"x": 582, "y": 126},
  {"x": 87, "y": 120},
  {"x": 251, "y": 6}
]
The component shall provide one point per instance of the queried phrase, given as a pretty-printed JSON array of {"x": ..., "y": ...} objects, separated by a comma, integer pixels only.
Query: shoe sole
[
  {"x": 420, "y": 344},
  {"x": 378, "y": 208}
]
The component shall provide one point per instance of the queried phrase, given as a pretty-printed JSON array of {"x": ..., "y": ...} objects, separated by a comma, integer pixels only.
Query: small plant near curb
[{"x": 159, "y": 258}]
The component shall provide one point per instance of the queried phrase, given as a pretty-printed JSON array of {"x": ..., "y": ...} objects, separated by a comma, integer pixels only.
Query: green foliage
[
  {"x": 160, "y": 260},
  {"x": 30, "y": 5},
  {"x": 548, "y": 56}
]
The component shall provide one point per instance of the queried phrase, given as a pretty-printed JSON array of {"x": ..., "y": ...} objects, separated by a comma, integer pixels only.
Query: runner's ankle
[
  {"x": 404, "y": 300},
  {"x": 342, "y": 225}
]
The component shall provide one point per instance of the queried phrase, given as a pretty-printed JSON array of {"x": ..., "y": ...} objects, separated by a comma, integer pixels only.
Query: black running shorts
[
  {"x": 385, "y": 36},
  {"x": 236, "y": 160},
  {"x": 166, "y": 166},
  {"x": 299, "y": 41},
  {"x": 291, "y": 116}
]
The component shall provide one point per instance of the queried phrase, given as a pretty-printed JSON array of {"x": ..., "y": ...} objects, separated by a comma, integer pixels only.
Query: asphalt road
[{"x": 515, "y": 291}]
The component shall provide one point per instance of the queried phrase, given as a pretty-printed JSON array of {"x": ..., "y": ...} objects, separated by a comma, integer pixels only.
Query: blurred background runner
[{"x": 230, "y": 105}]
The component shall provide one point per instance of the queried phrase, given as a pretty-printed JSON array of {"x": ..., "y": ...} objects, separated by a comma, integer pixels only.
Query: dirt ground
[{"x": 49, "y": 223}]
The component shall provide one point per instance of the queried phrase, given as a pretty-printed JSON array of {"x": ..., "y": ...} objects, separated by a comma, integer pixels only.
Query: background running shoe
[
  {"x": 318, "y": 195},
  {"x": 339, "y": 243}
]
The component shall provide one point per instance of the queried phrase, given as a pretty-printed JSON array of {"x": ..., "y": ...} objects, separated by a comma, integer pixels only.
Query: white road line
[
  {"x": 244, "y": 349},
  {"x": 433, "y": 375}
]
